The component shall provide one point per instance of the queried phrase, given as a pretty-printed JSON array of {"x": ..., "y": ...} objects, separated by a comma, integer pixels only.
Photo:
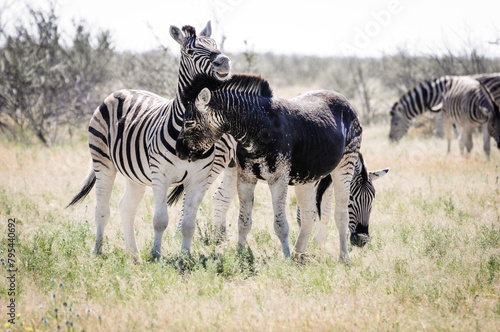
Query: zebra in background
[
  {"x": 475, "y": 109},
  {"x": 469, "y": 104},
  {"x": 135, "y": 133},
  {"x": 427, "y": 96}
]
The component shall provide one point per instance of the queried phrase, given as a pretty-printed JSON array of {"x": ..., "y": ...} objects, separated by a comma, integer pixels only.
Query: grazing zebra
[
  {"x": 362, "y": 194},
  {"x": 463, "y": 99},
  {"x": 135, "y": 132},
  {"x": 284, "y": 142},
  {"x": 427, "y": 96}
]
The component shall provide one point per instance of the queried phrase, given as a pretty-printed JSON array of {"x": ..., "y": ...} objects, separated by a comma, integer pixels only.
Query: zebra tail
[
  {"x": 175, "y": 195},
  {"x": 87, "y": 187},
  {"x": 324, "y": 183}
]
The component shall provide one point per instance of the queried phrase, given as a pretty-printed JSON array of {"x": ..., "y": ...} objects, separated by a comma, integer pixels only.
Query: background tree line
[{"x": 50, "y": 88}]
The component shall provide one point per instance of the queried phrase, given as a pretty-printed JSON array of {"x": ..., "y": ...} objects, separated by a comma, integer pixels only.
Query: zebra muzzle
[{"x": 222, "y": 66}]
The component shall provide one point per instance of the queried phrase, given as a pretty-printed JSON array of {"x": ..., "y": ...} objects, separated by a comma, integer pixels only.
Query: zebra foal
[{"x": 283, "y": 142}]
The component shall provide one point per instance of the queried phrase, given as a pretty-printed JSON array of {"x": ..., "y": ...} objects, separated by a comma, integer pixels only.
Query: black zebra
[
  {"x": 135, "y": 132},
  {"x": 284, "y": 142}
]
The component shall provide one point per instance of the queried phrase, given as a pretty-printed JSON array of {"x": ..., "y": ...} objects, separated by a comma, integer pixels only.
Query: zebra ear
[
  {"x": 203, "y": 99},
  {"x": 378, "y": 174},
  {"x": 177, "y": 34},
  {"x": 207, "y": 32}
]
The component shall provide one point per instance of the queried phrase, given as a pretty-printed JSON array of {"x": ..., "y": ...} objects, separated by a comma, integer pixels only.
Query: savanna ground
[{"x": 432, "y": 264}]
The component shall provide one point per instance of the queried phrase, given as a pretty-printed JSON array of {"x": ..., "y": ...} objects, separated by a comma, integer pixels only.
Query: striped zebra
[
  {"x": 362, "y": 194},
  {"x": 474, "y": 110},
  {"x": 135, "y": 132},
  {"x": 468, "y": 103},
  {"x": 426, "y": 96}
]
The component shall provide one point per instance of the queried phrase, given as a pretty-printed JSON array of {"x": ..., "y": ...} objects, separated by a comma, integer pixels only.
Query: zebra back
[{"x": 467, "y": 100}]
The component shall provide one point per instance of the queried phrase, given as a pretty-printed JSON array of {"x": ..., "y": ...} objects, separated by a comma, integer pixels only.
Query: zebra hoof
[
  {"x": 154, "y": 256},
  {"x": 300, "y": 257}
]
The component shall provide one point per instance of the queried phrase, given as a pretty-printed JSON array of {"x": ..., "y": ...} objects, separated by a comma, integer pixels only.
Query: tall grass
[{"x": 433, "y": 262}]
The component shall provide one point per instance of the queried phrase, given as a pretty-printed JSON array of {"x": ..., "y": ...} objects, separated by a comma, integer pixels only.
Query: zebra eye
[
  {"x": 190, "y": 51},
  {"x": 189, "y": 124}
]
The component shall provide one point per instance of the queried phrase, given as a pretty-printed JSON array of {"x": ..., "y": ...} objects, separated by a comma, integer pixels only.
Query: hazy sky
[{"x": 313, "y": 27}]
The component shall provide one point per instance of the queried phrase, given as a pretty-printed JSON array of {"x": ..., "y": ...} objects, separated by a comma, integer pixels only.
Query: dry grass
[{"x": 433, "y": 262}]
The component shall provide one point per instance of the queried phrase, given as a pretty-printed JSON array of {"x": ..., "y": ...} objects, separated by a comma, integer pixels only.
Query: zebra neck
[
  {"x": 246, "y": 120},
  {"x": 428, "y": 96},
  {"x": 173, "y": 118}
]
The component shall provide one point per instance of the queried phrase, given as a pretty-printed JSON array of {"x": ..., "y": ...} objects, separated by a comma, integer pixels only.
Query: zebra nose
[
  {"x": 221, "y": 60},
  {"x": 222, "y": 66}
]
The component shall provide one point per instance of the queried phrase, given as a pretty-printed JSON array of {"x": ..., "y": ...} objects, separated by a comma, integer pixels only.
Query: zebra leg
[
  {"x": 222, "y": 199},
  {"x": 104, "y": 187},
  {"x": 342, "y": 177},
  {"x": 128, "y": 208},
  {"x": 299, "y": 221},
  {"x": 486, "y": 141},
  {"x": 307, "y": 201},
  {"x": 279, "y": 190},
  {"x": 325, "y": 215},
  {"x": 439, "y": 120},
  {"x": 465, "y": 139},
  {"x": 160, "y": 219},
  {"x": 447, "y": 129},
  {"x": 246, "y": 188},
  {"x": 193, "y": 198}
]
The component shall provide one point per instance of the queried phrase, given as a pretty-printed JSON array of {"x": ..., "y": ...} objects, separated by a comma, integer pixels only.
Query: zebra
[
  {"x": 134, "y": 132},
  {"x": 284, "y": 142},
  {"x": 445, "y": 93},
  {"x": 468, "y": 103},
  {"x": 362, "y": 194},
  {"x": 426, "y": 96}
]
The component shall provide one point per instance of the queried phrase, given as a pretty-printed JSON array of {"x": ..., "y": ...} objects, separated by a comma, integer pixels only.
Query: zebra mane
[
  {"x": 239, "y": 83},
  {"x": 253, "y": 85},
  {"x": 189, "y": 31}
]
